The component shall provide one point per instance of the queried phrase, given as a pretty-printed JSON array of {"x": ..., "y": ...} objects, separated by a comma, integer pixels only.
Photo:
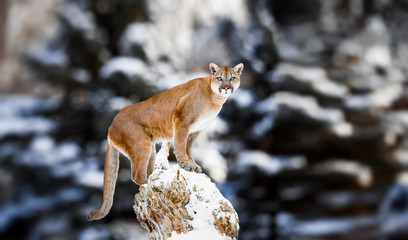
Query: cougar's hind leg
[{"x": 109, "y": 182}]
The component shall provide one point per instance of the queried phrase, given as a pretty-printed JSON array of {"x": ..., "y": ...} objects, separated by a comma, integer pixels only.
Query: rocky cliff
[{"x": 176, "y": 204}]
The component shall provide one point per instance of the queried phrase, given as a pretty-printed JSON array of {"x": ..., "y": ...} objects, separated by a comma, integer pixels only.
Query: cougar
[{"x": 177, "y": 114}]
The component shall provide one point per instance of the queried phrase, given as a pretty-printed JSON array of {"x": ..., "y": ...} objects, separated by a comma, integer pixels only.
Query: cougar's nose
[{"x": 226, "y": 87}]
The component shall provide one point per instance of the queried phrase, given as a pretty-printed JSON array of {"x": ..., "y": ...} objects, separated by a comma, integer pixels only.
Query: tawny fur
[{"x": 179, "y": 113}]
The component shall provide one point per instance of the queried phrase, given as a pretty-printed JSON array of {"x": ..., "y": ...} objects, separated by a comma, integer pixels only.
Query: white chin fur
[{"x": 226, "y": 93}]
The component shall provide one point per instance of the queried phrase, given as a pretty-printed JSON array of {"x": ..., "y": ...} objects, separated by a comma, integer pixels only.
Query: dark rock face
[{"x": 316, "y": 137}]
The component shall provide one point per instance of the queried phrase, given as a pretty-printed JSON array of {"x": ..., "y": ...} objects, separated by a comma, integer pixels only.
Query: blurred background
[{"x": 314, "y": 145}]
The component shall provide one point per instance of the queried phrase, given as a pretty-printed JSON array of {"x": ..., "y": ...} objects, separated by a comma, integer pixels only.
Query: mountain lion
[{"x": 179, "y": 113}]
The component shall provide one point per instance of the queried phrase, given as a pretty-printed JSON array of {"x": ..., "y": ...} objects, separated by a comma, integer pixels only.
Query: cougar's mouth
[{"x": 226, "y": 91}]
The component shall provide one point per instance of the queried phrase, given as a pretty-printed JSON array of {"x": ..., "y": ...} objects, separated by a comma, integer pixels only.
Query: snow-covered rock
[
  {"x": 270, "y": 165},
  {"x": 308, "y": 79},
  {"x": 288, "y": 104},
  {"x": 176, "y": 204}
]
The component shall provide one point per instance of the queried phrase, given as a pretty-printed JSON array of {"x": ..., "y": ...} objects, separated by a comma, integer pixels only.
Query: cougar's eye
[
  {"x": 232, "y": 78},
  {"x": 219, "y": 79}
]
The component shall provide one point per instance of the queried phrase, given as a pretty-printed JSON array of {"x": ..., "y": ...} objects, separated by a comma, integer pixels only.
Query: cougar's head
[{"x": 225, "y": 80}]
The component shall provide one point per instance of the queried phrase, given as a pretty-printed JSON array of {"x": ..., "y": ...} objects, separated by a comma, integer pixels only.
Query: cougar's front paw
[
  {"x": 186, "y": 166},
  {"x": 190, "y": 166},
  {"x": 198, "y": 169}
]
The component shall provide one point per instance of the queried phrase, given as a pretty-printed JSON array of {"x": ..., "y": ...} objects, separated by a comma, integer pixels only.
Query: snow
[
  {"x": 306, "y": 74},
  {"x": 44, "y": 152},
  {"x": 381, "y": 98},
  {"x": 313, "y": 77},
  {"x": 330, "y": 226},
  {"x": 198, "y": 235},
  {"x": 341, "y": 129},
  {"x": 126, "y": 230},
  {"x": 90, "y": 178},
  {"x": 270, "y": 165},
  {"x": 130, "y": 66},
  {"x": 81, "y": 75},
  {"x": 79, "y": 19},
  {"x": 289, "y": 226},
  {"x": 95, "y": 232},
  {"x": 347, "y": 50},
  {"x": 161, "y": 161},
  {"x": 117, "y": 103},
  {"x": 308, "y": 106},
  {"x": 15, "y": 116},
  {"x": 25, "y": 126},
  {"x": 378, "y": 55},
  {"x": 42, "y": 144},
  {"x": 268, "y": 107},
  {"x": 206, "y": 151},
  {"x": 49, "y": 56},
  {"x": 33, "y": 204},
  {"x": 362, "y": 173},
  {"x": 19, "y": 105},
  {"x": 136, "y": 33},
  {"x": 243, "y": 97},
  {"x": 210, "y": 159},
  {"x": 263, "y": 126}
]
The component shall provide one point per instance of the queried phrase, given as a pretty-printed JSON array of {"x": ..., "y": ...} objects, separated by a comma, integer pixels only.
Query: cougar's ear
[
  {"x": 238, "y": 68},
  {"x": 214, "y": 68}
]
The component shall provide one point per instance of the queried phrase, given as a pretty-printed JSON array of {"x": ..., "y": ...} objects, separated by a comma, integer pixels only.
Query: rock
[{"x": 188, "y": 205}]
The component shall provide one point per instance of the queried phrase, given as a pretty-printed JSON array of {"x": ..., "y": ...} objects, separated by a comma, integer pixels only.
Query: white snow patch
[
  {"x": 290, "y": 226},
  {"x": 211, "y": 160},
  {"x": 343, "y": 129},
  {"x": 381, "y": 98},
  {"x": 243, "y": 97},
  {"x": 162, "y": 161},
  {"x": 30, "y": 205},
  {"x": 80, "y": 75},
  {"x": 331, "y": 226},
  {"x": 316, "y": 78},
  {"x": 44, "y": 152},
  {"x": 218, "y": 126},
  {"x": 269, "y": 107},
  {"x": 362, "y": 173},
  {"x": 26, "y": 125},
  {"x": 333, "y": 118},
  {"x": 91, "y": 178},
  {"x": 378, "y": 55},
  {"x": 118, "y": 103},
  {"x": 135, "y": 34},
  {"x": 79, "y": 19},
  {"x": 263, "y": 126},
  {"x": 207, "y": 152},
  {"x": 16, "y": 119},
  {"x": 48, "y": 56},
  {"x": 130, "y": 66},
  {"x": 198, "y": 235},
  {"x": 268, "y": 164},
  {"x": 95, "y": 232}
]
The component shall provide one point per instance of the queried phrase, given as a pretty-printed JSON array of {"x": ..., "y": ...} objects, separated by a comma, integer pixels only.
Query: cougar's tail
[{"x": 109, "y": 183}]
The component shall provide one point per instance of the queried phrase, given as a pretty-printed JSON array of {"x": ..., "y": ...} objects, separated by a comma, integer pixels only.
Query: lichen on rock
[{"x": 176, "y": 204}]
